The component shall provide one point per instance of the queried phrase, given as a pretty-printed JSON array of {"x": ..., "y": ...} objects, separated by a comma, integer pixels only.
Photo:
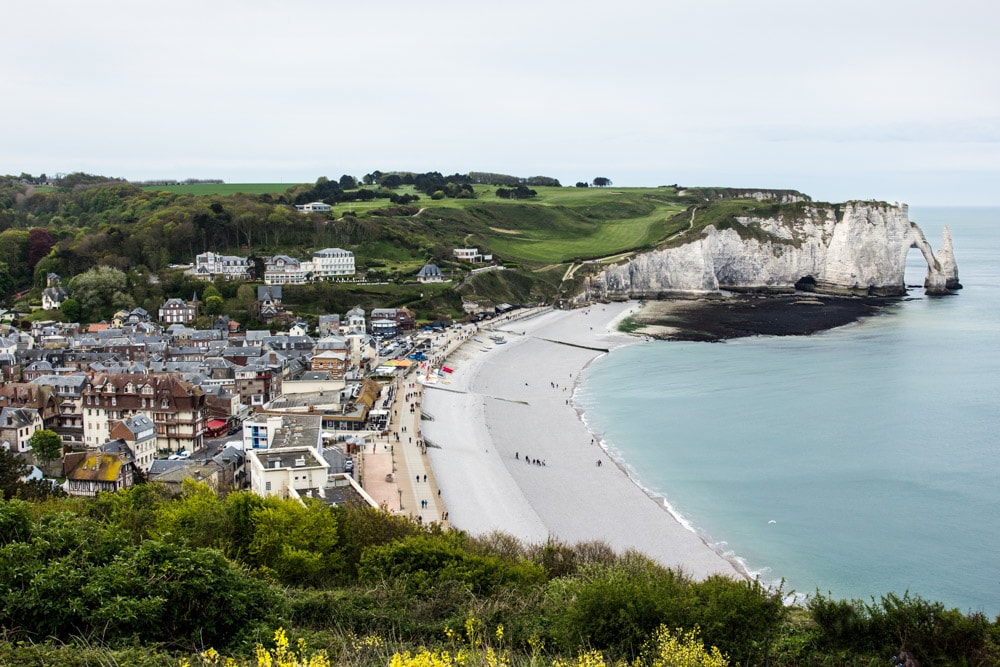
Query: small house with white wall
[{"x": 286, "y": 471}]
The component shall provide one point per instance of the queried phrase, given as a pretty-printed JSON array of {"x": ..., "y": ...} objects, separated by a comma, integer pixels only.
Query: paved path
[
  {"x": 403, "y": 481},
  {"x": 397, "y": 474}
]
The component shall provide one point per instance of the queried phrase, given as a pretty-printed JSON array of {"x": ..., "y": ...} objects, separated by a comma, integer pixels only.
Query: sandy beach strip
[{"x": 508, "y": 405}]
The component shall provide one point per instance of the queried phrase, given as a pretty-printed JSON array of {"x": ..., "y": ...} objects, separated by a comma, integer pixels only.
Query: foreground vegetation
[{"x": 141, "y": 578}]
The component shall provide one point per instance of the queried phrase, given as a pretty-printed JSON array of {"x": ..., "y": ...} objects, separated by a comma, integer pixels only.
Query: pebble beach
[{"x": 510, "y": 452}]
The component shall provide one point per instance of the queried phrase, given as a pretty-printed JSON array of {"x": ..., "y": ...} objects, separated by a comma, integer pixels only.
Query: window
[{"x": 267, "y": 486}]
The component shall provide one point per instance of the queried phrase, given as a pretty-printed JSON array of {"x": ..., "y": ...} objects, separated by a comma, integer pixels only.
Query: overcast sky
[{"x": 894, "y": 100}]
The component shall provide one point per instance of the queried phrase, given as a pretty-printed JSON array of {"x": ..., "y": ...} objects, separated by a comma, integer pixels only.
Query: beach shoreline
[{"x": 511, "y": 451}]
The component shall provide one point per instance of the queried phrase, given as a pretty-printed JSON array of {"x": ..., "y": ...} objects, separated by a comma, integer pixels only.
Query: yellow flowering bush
[
  {"x": 471, "y": 650},
  {"x": 279, "y": 656},
  {"x": 679, "y": 649},
  {"x": 584, "y": 659},
  {"x": 473, "y": 647}
]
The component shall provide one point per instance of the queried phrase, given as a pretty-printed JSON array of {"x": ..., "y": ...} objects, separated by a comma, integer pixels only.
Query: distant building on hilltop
[{"x": 314, "y": 207}]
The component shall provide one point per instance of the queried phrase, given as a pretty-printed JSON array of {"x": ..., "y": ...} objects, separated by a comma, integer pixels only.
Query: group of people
[{"x": 528, "y": 459}]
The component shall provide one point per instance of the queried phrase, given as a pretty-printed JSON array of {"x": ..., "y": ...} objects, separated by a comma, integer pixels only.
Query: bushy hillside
[{"x": 141, "y": 578}]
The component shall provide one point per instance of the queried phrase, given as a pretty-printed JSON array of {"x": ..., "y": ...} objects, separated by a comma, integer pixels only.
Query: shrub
[
  {"x": 614, "y": 608},
  {"x": 427, "y": 561},
  {"x": 739, "y": 616},
  {"x": 928, "y": 631}
]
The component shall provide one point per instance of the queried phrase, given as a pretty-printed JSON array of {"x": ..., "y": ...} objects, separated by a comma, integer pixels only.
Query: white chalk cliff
[{"x": 855, "y": 248}]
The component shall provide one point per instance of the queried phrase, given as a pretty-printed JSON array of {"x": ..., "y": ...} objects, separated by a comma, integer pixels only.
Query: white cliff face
[
  {"x": 946, "y": 258},
  {"x": 861, "y": 251}
]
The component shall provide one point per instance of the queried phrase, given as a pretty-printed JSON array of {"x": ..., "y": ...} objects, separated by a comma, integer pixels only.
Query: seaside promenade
[{"x": 396, "y": 471}]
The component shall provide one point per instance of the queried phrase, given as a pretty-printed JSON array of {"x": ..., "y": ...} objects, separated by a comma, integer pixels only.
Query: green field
[{"x": 569, "y": 224}]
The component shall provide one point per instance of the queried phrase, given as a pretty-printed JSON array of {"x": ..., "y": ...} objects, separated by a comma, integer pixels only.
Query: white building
[
  {"x": 259, "y": 430},
  {"x": 209, "y": 265},
  {"x": 268, "y": 430},
  {"x": 471, "y": 255},
  {"x": 314, "y": 207},
  {"x": 285, "y": 270},
  {"x": 53, "y": 297},
  {"x": 356, "y": 321},
  {"x": 17, "y": 425},
  {"x": 139, "y": 433},
  {"x": 285, "y": 471},
  {"x": 430, "y": 273},
  {"x": 326, "y": 264},
  {"x": 332, "y": 263}
]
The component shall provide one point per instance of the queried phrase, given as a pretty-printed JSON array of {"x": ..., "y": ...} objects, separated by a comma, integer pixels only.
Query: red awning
[{"x": 216, "y": 423}]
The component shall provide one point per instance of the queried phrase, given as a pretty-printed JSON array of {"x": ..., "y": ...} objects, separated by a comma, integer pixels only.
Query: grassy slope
[
  {"x": 566, "y": 224},
  {"x": 557, "y": 226},
  {"x": 543, "y": 235}
]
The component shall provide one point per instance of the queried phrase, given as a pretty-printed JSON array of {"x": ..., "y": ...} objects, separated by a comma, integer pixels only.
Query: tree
[
  {"x": 298, "y": 544},
  {"x": 6, "y": 280},
  {"x": 602, "y": 182},
  {"x": 245, "y": 295},
  {"x": 71, "y": 309},
  {"x": 46, "y": 445},
  {"x": 12, "y": 469},
  {"x": 392, "y": 181},
  {"x": 213, "y": 304},
  {"x": 209, "y": 292},
  {"x": 100, "y": 291},
  {"x": 40, "y": 242},
  {"x": 348, "y": 182},
  {"x": 14, "y": 258}
]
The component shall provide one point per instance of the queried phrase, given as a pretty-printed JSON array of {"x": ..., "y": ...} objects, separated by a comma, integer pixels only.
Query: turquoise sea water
[{"x": 859, "y": 461}]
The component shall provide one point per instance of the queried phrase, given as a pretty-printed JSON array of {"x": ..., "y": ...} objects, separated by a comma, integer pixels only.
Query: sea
[{"x": 856, "y": 462}]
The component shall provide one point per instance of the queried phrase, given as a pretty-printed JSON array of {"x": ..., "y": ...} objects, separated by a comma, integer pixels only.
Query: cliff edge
[{"x": 856, "y": 248}]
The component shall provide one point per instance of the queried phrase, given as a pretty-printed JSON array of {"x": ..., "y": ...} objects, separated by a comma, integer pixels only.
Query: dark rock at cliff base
[{"x": 740, "y": 316}]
